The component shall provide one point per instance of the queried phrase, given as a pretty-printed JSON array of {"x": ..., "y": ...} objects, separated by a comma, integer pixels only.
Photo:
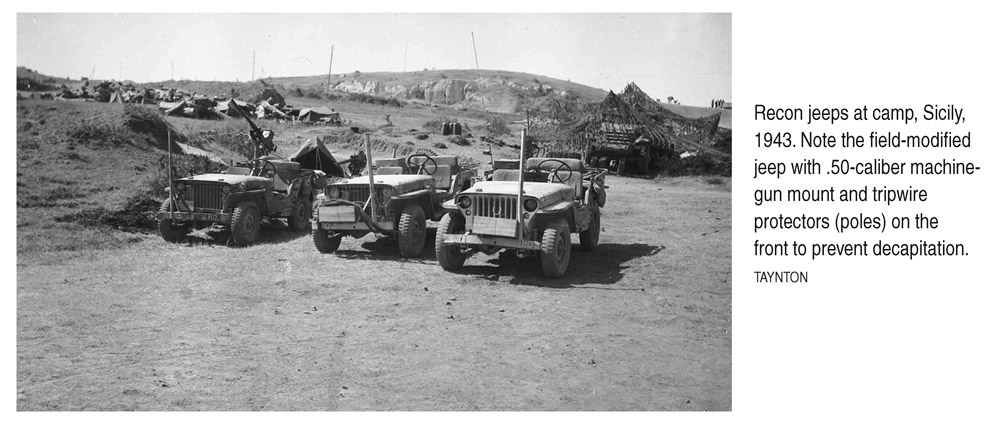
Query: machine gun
[{"x": 262, "y": 138}]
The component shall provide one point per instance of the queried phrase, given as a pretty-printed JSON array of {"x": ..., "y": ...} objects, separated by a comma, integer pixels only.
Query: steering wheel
[
  {"x": 419, "y": 168},
  {"x": 262, "y": 167},
  {"x": 554, "y": 175}
]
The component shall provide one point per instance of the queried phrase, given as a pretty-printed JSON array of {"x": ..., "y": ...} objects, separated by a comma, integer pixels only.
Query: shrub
[
  {"x": 497, "y": 126},
  {"x": 458, "y": 140},
  {"x": 439, "y": 145},
  {"x": 183, "y": 166}
]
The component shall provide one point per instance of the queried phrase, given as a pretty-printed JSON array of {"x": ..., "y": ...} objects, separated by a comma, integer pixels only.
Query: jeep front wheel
[
  {"x": 411, "y": 231},
  {"x": 245, "y": 224},
  {"x": 300, "y": 217},
  {"x": 449, "y": 256},
  {"x": 589, "y": 238},
  {"x": 556, "y": 253},
  {"x": 325, "y": 243},
  {"x": 171, "y": 232}
]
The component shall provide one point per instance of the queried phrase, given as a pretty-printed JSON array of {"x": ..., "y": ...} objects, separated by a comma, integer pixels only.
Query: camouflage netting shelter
[
  {"x": 610, "y": 130},
  {"x": 271, "y": 95}
]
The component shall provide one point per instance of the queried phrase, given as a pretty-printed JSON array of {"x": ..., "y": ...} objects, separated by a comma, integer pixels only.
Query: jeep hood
[
  {"x": 402, "y": 183},
  {"x": 546, "y": 193},
  {"x": 250, "y": 182}
]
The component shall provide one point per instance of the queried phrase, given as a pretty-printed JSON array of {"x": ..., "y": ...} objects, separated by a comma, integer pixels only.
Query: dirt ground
[{"x": 643, "y": 323}]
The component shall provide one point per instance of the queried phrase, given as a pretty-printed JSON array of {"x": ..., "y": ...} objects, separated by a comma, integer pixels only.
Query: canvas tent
[
  {"x": 318, "y": 114},
  {"x": 315, "y": 156}
]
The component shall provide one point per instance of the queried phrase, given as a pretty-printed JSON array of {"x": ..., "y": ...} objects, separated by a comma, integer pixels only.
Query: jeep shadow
[{"x": 605, "y": 267}]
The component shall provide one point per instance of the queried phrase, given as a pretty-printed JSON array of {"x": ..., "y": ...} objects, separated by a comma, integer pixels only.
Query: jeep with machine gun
[{"x": 265, "y": 187}]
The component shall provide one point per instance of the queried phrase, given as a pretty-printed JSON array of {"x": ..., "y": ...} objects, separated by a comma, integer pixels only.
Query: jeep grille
[
  {"x": 356, "y": 193},
  {"x": 493, "y": 206},
  {"x": 206, "y": 196}
]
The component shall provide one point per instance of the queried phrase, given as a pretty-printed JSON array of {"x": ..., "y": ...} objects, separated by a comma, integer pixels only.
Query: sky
[{"x": 687, "y": 56}]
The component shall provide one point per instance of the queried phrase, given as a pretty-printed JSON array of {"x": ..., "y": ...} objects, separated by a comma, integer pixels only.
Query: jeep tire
[
  {"x": 324, "y": 243},
  {"x": 171, "y": 232},
  {"x": 449, "y": 256},
  {"x": 556, "y": 252},
  {"x": 589, "y": 238},
  {"x": 411, "y": 231},
  {"x": 245, "y": 224},
  {"x": 300, "y": 218}
]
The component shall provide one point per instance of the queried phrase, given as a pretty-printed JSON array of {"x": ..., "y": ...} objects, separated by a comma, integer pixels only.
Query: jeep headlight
[
  {"x": 530, "y": 204},
  {"x": 179, "y": 187},
  {"x": 464, "y": 202},
  {"x": 226, "y": 189},
  {"x": 332, "y": 192},
  {"x": 386, "y": 194}
]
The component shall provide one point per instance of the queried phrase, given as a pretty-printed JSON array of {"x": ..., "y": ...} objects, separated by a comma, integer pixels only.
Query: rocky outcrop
[{"x": 499, "y": 94}]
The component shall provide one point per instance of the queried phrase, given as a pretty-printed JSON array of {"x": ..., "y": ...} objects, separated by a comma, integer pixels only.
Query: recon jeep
[
  {"x": 532, "y": 210},
  {"x": 239, "y": 199},
  {"x": 406, "y": 193}
]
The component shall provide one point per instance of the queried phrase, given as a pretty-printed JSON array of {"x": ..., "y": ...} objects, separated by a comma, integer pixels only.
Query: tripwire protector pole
[
  {"x": 522, "y": 173},
  {"x": 373, "y": 193},
  {"x": 169, "y": 162}
]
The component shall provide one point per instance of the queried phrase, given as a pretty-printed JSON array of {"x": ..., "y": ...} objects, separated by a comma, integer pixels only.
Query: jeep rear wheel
[
  {"x": 556, "y": 253},
  {"x": 589, "y": 238},
  {"x": 170, "y": 231},
  {"x": 324, "y": 243},
  {"x": 411, "y": 231},
  {"x": 245, "y": 224},
  {"x": 300, "y": 217},
  {"x": 449, "y": 256}
]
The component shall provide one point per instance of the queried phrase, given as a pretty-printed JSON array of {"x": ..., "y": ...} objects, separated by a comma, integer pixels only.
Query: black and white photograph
[{"x": 374, "y": 211}]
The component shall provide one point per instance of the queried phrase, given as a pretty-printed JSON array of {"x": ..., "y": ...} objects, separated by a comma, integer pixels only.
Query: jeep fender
[
  {"x": 420, "y": 197},
  {"x": 565, "y": 210}
]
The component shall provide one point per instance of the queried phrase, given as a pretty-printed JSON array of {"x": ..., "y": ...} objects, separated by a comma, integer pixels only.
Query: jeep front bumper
[
  {"x": 481, "y": 240},
  {"x": 195, "y": 216},
  {"x": 347, "y": 217}
]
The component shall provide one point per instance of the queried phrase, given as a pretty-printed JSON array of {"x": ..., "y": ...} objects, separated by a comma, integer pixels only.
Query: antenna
[
  {"x": 328, "y": 83},
  {"x": 254, "y": 65},
  {"x": 478, "y": 65},
  {"x": 172, "y": 68},
  {"x": 404, "y": 67}
]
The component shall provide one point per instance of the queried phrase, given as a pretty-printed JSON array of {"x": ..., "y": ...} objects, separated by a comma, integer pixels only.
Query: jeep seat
[
  {"x": 576, "y": 174},
  {"x": 286, "y": 172},
  {"x": 445, "y": 164},
  {"x": 505, "y": 175},
  {"x": 242, "y": 171}
]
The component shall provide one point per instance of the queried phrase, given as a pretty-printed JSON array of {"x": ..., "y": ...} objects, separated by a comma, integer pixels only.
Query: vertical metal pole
[
  {"x": 169, "y": 163},
  {"x": 522, "y": 173},
  {"x": 373, "y": 193},
  {"x": 328, "y": 84},
  {"x": 478, "y": 66},
  {"x": 404, "y": 67}
]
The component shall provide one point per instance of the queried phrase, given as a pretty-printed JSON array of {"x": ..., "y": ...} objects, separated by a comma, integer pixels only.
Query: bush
[
  {"x": 433, "y": 125},
  {"x": 96, "y": 132},
  {"x": 183, "y": 166},
  {"x": 497, "y": 126},
  {"x": 422, "y": 136},
  {"x": 439, "y": 145},
  {"x": 372, "y": 99},
  {"x": 148, "y": 121},
  {"x": 458, "y": 140}
]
